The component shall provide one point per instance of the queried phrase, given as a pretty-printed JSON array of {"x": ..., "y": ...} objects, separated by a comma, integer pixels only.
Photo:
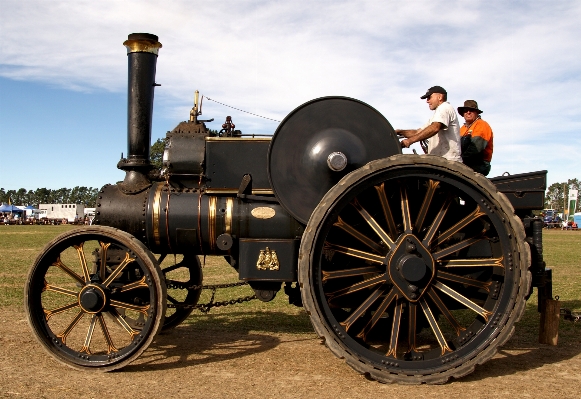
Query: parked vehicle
[{"x": 412, "y": 268}]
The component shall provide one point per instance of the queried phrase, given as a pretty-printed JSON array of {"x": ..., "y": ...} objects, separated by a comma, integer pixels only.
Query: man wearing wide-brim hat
[{"x": 476, "y": 138}]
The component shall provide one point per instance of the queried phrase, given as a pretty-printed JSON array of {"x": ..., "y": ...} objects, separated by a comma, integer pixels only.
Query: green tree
[
  {"x": 156, "y": 153},
  {"x": 19, "y": 197},
  {"x": 42, "y": 196},
  {"x": 90, "y": 197},
  {"x": 10, "y": 194},
  {"x": 557, "y": 192}
]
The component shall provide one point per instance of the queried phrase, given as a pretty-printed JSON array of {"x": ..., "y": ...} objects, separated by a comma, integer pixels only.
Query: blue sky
[{"x": 63, "y": 73}]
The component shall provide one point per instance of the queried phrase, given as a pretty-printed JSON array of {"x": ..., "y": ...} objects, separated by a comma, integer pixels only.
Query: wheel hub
[
  {"x": 92, "y": 298},
  {"x": 411, "y": 267}
]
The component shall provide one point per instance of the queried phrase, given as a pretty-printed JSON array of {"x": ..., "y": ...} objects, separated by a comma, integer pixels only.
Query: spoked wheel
[
  {"x": 94, "y": 298},
  {"x": 414, "y": 269},
  {"x": 179, "y": 279}
]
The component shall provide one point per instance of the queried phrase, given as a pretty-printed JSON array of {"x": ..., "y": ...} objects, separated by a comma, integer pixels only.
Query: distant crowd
[{"x": 8, "y": 219}]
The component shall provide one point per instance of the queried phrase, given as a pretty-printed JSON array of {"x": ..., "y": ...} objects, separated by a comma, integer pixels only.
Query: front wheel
[
  {"x": 94, "y": 298},
  {"x": 413, "y": 269}
]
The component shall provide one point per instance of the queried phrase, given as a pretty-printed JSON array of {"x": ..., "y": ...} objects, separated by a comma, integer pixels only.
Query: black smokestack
[{"x": 142, "y": 49}]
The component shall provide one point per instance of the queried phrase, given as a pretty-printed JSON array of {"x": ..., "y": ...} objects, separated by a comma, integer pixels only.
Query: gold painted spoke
[
  {"x": 432, "y": 186},
  {"x": 110, "y": 346},
  {"x": 49, "y": 313},
  {"x": 357, "y": 287},
  {"x": 83, "y": 261},
  {"x": 54, "y": 288},
  {"x": 136, "y": 284},
  {"x": 132, "y": 333},
  {"x": 456, "y": 247},
  {"x": 359, "y": 236},
  {"x": 68, "y": 271},
  {"x": 476, "y": 213},
  {"x": 412, "y": 319},
  {"x": 445, "y": 311},
  {"x": 434, "y": 326},
  {"x": 464, "y": 280},
  {"x": 386, "y": 211},
  {"x": 360, "y": 311},
  {"x": 463, "y": 300},
  {"x": 474, "y": 262},
  {"x": 355, "y": 253},
  {"x": 103, "y": 269},
  {"x": 373, "y": 224},
  {"x": 118, "y": 269},
  {"x": 391, "y": 295},
  {"x": 87, "y": 345},
  {"x": 405, "y": 211},
  {"x": 67, "y": 331},
  {"x": 129, "y": 306},
  {"x": 359, "y": 271},
  {"x": 395, "y": 330},
  {"x": 429, "y": 237}
]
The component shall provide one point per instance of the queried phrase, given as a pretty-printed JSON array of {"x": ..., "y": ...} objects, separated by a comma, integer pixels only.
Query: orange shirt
[{"x": 481, "y": 129}]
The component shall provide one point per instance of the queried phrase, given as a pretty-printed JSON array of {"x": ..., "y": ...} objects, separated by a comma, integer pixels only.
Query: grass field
[{"x": 21, "y": 244}]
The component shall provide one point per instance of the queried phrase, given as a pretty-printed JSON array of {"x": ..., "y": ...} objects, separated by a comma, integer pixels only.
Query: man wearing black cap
[
  {"x": 442, "y": 128},
  {"x": 476, "y": 138}
]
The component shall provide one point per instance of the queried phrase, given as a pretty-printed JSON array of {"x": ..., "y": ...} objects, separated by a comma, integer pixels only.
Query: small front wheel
[{"x": 94, "y": 298}]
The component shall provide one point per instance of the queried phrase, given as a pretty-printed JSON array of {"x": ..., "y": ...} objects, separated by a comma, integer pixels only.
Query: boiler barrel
[{"x": 171, "y": 220}]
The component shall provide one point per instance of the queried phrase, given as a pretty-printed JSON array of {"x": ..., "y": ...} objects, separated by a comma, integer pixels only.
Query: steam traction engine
[{"x": 412, "y": 268}]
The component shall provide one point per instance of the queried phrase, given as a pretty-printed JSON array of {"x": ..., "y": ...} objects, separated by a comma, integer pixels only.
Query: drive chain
[{"x": 205, "y": 307}]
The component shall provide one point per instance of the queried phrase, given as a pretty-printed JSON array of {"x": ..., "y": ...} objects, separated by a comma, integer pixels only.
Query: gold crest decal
[{"x": 267, "y": 260}]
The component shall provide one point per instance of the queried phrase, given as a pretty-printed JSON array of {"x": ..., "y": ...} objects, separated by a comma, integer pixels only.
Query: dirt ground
[{"x": 191, "y": 363}]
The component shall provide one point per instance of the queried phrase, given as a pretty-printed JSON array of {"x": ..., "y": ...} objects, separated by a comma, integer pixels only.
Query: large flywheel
[
  {"x": 320, "y": 142},
  {"x": 94, "y": 298},
  {"x": 414, "y": 269}
]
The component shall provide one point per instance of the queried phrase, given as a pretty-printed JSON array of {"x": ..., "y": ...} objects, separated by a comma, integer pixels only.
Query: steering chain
[{"x": 205, "y": 307}]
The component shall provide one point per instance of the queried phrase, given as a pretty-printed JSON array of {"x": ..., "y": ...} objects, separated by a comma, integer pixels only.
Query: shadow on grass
[
  {"x": 211, "y": 338},
  {"x": 205, "y": 339},
  {"x": 523, "y": 351}
]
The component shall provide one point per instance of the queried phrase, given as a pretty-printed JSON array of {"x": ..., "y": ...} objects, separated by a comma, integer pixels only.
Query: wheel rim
[
  {"x": 179, "y": 276},
  {"x": 412, "y": 269},
  {"x": 93, "y": 299}
]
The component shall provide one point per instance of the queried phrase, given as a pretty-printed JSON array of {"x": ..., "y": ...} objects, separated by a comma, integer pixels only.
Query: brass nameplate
[
  {"x": 263, "y": 212},
  {"x": 267, "y": 260}
]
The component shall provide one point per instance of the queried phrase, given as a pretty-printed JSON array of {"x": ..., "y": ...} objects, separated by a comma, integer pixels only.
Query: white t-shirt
[{"x": 446, "y": 143}]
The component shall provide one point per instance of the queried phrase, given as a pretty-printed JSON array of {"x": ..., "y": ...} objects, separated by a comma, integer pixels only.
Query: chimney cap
[{"x": 142, "y": 36}]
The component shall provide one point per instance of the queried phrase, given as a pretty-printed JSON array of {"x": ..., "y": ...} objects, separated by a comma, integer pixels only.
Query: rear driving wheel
[{"x": 413, "y": 269}]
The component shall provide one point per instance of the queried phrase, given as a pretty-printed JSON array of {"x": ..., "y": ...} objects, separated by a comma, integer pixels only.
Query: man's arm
[
  {"x": 407, "y": 132},
  {"x": 422, "y": 134}
]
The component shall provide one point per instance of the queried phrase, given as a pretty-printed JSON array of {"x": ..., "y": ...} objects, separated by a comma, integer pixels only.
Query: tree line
[
  {"x": 558, "y": 193},
  {"x": 76, "y": 195},
  {"x": 554, "y": 197}
]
